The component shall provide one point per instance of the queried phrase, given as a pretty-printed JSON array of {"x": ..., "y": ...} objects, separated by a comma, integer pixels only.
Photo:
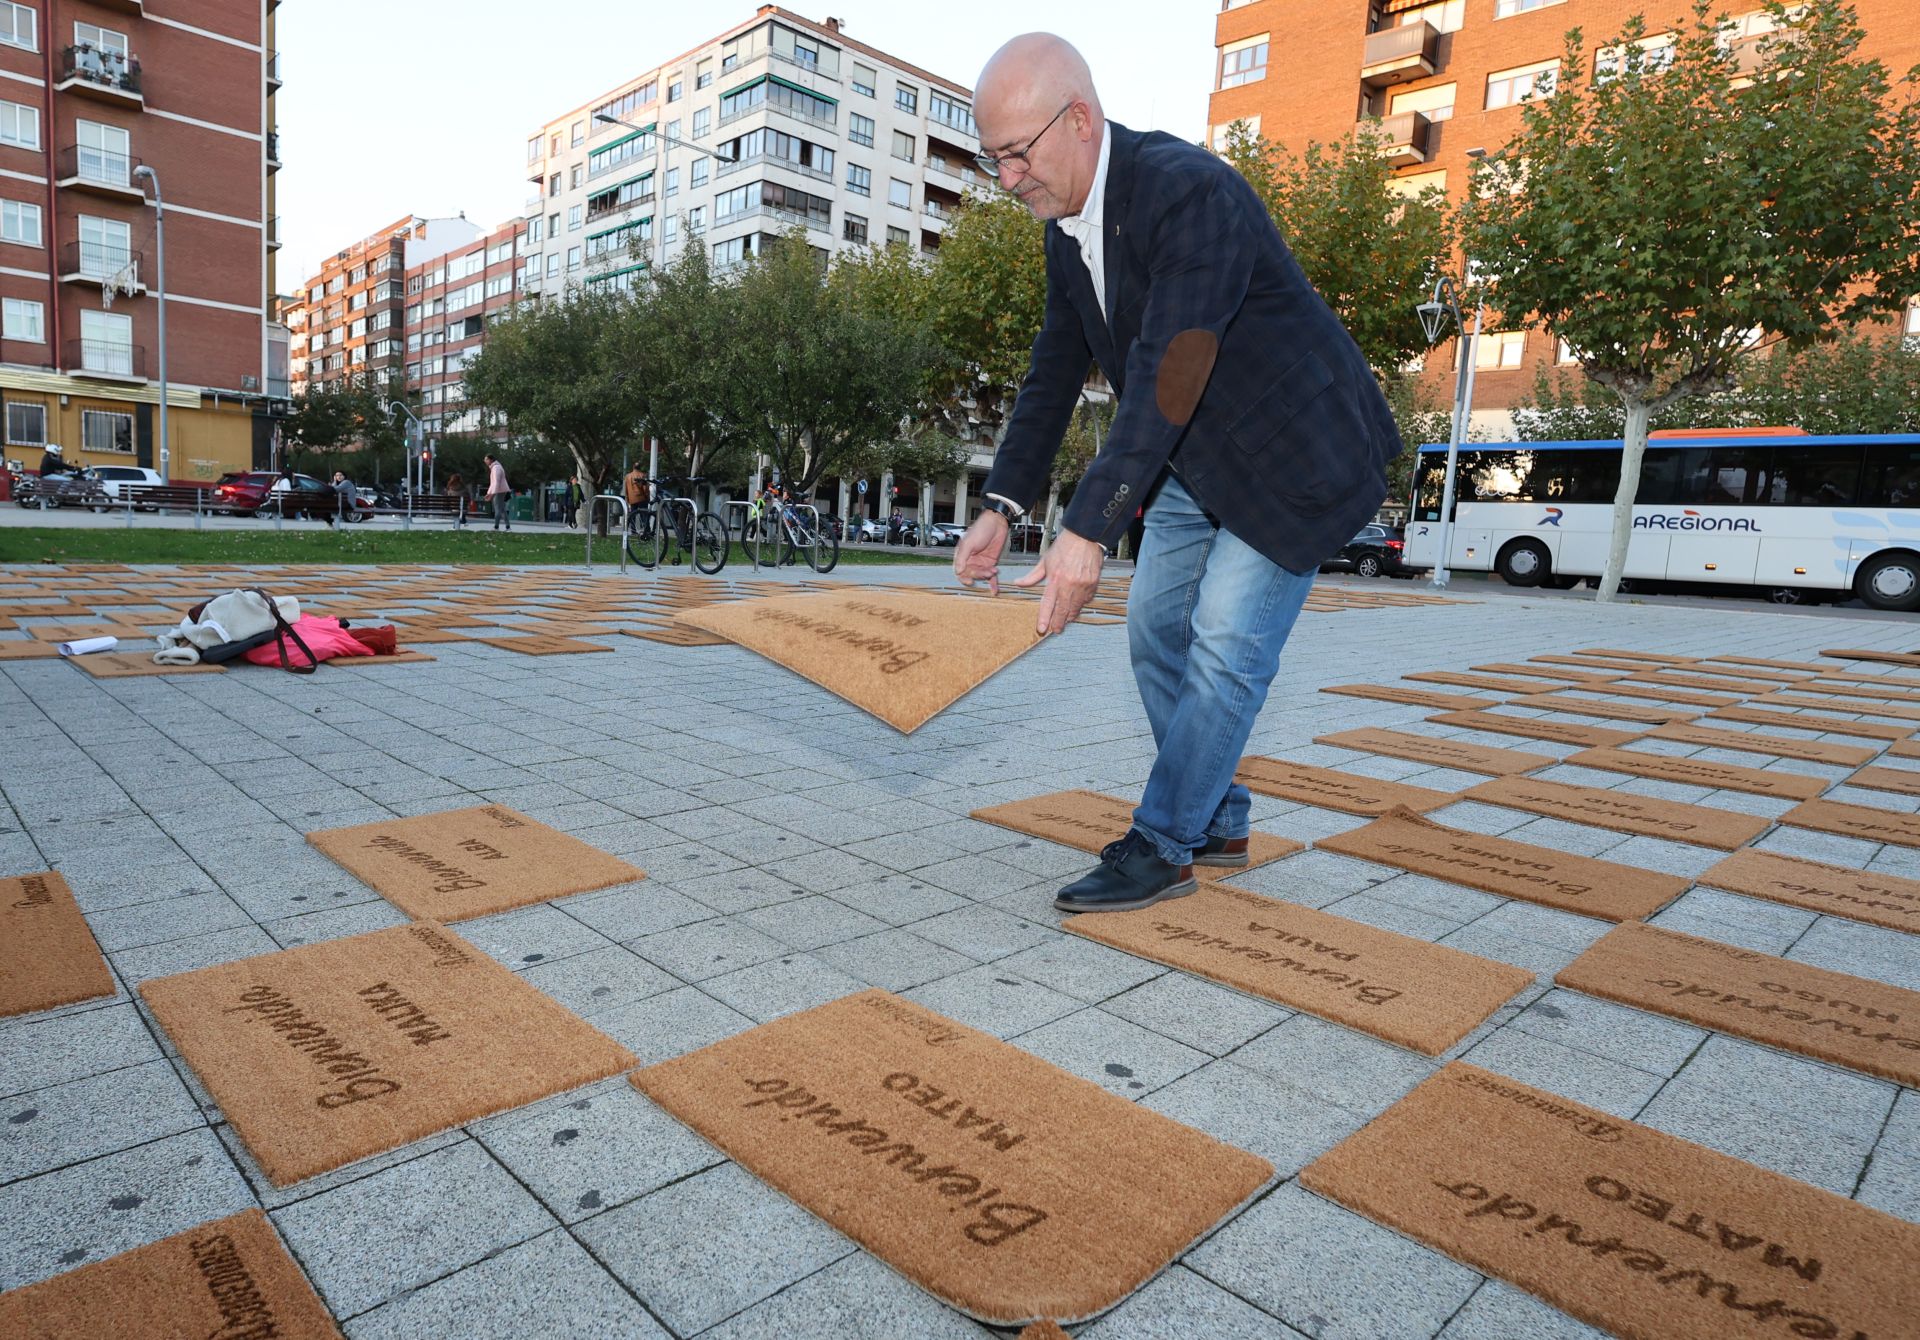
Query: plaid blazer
[{"x": 1229, "y": 368}]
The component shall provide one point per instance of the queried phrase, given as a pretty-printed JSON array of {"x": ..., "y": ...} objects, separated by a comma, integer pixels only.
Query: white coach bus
[{"x": 1797, "y": 516}]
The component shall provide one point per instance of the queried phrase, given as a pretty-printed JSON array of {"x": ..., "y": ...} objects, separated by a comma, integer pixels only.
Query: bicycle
[
  {"x": 795, "y": 528},
  {"x": 671, "y": 529}
]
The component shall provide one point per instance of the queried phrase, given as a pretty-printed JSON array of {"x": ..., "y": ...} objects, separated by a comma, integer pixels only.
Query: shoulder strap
[{"x": 282, "y": 630}]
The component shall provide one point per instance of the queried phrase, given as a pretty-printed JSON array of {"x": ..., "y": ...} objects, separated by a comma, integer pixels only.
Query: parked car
[
  {"x": 1024, "y": 537},
  {"x": 117, "y": 479},
  {"x": 253, "y": 493},
  {"x": 1377, "y": 551},
  {"x": 944, "y": 534},
  {"x": 869, "y": 530}
]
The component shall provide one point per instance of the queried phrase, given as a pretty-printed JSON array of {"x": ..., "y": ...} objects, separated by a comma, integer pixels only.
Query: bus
[{"x": 1800, "y": 517}]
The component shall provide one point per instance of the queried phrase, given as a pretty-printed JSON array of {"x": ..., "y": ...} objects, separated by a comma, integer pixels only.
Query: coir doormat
[
  {"x": 1556, "y": 700},
  {"x": 132, "y": 664},
  {"x": 1422, "y": 996},
  {"x": 1623, "y": 813},
  {"x": 1511, "y": 869},
  {"x": 1638, "y": 1232},
  {"x": 543, "y": 644},
  {"x": 1485, "y": 683},
  {"x": 997, "y": 1182},
  {"x": 1813, "y": 721},
  {"x": 1881, "y": 657},
  {"x": 1335, "y": 790},
  {"x": 28, "y": 649},
  {"x": 1752, "y": 742},
  {"x": 1701, "y": 772},
  {"x": 1850, "y": 1021},
  {"x": 1900, "y": 781},
  {"x": 1394, "y": 693},
  {"x": 902, "y": 656},
  {"x": 1444, "y": 753},
  {"x": 226, "y": 1280},
  {"x": 468, "y": 863},
  {"x": 1537, "y": 728},
  {"x": 47, "y": 954},
  {"x": 1543, "y": 672},
  {"x": 1866, "y": 707},
  {"x": 336, "y": 1051},
  {"x": 1861, "y": 821},
  {"x": 1862, "y": 895},
  {"x": 1090, "y": 820}
]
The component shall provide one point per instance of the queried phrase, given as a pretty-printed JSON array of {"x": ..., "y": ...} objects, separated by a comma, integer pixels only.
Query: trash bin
[{"x": 520, "y": 507}]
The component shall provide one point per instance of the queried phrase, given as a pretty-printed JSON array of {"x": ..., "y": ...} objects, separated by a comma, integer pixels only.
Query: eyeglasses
[{"x": 992, "y": 163}]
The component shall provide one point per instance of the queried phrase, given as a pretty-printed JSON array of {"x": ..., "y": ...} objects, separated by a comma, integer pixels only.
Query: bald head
[{"x": 1035, "y": 103}]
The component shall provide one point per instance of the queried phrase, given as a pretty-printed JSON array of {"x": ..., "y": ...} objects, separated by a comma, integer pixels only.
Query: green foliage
[
  {"x": 678, "y": 338},
  {"x": 1420, "y": 420},
  {"x": 345, "y": 426},
  {"x": 1091, "y": 422}
]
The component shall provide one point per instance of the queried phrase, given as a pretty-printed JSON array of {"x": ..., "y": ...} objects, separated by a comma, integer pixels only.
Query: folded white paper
[{"x": 87, "y": 644}]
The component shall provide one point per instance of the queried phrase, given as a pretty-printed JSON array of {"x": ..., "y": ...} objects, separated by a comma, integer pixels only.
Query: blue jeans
[{"x": 1206, "y": 619}]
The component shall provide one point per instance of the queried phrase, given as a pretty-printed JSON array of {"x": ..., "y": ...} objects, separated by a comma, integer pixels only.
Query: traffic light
[{"x": 895, "y": 491}]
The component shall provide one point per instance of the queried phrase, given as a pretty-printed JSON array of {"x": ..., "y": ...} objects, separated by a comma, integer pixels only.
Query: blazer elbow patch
[{"x": 1183, "y": 374}]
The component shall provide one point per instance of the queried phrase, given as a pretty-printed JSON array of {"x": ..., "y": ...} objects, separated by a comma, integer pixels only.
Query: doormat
[
  {"x": 1852, "y": 686},
  {"x": 1422, "y": 996},
  {"x": 1684, "y": 678},
  {"x": 1594, "y": 663},
  {"x": 1541, "y": 672},
  {"x": 1861, "y": 895},
  {"x": 1700, "y": 772},
  {"x": 1537, "y": 728},
  {"x": 28, "y": 649},
  {"x": 1486, "y": 683},
  {"x": 1810, "y": 667},
  {"x": 47, "y": 954},
  {"x": 1623, "y": 813},
  {"x": 1882, "y": 657},
  {"x": 1638, "y": 1232},
  {"x": 1657, "y": 656},
  {"x": 1751, "y": 742},
  {"x": 128, "y": 664},
  {"x": 228, "y": 1278},
  {"x": 1394, "y": 693},
  {"x": 1656, "y": 693},
  {"x": 902, "y": 656},
  {"x": 1900, "y": 781},
  {"x": 1510, "y": 869},
  {"x": 1861, "y": 821},
  {"x": 1850, "y": 1021},
  {"x": 677, "y": 636},
  {"x": 1551, "y": 701},
  {"x": 1335, "y": 790},
  {"x": 1904, "y": 749},
  {"x": 994, "y": 1180},
  {"x": 394, "y": 658},
  {"x": 1813, "y": 721},
  {"x": 468, "y": 863},
  {"x": 1089, "y": 820},
  {"x": 541, "y": 644},
  {"x": 1866, "y": 707},
  {"x": 1446, "y": 753},
  {"x": 332, "y": 1052}
]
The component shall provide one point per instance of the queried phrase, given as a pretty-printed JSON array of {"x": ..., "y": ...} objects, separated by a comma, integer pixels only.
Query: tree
[
  {"x": 987, "y": 297},
  {"x": 1086, "y": 431},
  {"x": 1666, "y": 222},
  {"x": 1419, "y": 420},
  {"x": 677, "y": 336},
  {"x": 345, "y": 426}
]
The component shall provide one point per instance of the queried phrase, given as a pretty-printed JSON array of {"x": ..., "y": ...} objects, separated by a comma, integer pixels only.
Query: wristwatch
[{"x": 1003, "y": 507}]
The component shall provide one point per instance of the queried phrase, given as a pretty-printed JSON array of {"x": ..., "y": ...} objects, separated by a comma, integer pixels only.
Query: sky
[{"x": 396, "y": 107}]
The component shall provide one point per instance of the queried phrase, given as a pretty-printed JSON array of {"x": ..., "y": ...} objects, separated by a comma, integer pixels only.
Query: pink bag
[{"x": 324, "y": 637}]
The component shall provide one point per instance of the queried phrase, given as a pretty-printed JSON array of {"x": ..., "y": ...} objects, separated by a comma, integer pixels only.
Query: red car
[{"x": 252, "y": 493}]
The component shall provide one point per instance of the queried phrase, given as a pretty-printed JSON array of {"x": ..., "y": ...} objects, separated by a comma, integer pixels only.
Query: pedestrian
[
  {"x": 344, "y": 508},
  {"x": 895, "y": 524},
  {"x": 572, "y": 504},
  {"x": 457, "y": 490},
  {"x": 1249, "y": 426},
  {"x": 498, "y": 494}
]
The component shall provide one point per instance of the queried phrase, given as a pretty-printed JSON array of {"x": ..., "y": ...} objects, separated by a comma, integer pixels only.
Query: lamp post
[
  {"x": 143, "y": 172},
  {"x": 1434, "y": 318}
]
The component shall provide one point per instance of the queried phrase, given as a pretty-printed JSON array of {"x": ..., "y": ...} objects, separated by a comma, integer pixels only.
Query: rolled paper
[{"x": 88, "y": 644}]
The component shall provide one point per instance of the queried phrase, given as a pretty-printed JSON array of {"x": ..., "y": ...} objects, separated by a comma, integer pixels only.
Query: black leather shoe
[
  {"x": 1130, "y": 876},
  {"x": 1222, "y": 851}
]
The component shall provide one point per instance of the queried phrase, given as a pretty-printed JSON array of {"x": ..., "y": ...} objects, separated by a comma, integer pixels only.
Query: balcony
[
  {"x": 954, "y": 176},
  {"x": 135, "y": 7},
  {"x": 98, "y": 171},
  {"x": 273, "y": 151},
  {"x": 535, "y": 206},
  {"x": 723, "y": 166},
  {"x": 1400, "y": 55},
  {"x": 94, "y": 263},
  {"x": 107, "y": 360},
  {"x": 273, "y": 71},
  {"x": 103, "y": 75},
  {"x": 774, "y": 212},
  {"x": 273, "y": 233},
  {"x": 1403, "y": 138}
]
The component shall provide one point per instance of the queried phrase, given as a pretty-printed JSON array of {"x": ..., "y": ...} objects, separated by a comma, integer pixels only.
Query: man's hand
[
  {"x": 1071, "y": 570},
  {"x": 977, "y": 557}
]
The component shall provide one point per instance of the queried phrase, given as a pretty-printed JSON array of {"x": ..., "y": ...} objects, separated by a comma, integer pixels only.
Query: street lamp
[
  {"x": 1435, "y": 315},
  {"x": 147, "y": 174}
]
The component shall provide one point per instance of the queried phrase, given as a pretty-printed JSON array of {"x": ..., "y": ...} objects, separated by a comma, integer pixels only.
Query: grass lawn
[{"x": 359, "y": 545}]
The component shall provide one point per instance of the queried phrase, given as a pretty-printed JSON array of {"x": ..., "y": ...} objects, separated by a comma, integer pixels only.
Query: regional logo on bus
[
  {"x": 1552, "y": 518},
  {"x": 1692, "y": 520}
]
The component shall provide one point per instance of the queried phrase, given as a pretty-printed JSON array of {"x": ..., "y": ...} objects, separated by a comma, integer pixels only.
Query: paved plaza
[{"x": 798, "y": 850}]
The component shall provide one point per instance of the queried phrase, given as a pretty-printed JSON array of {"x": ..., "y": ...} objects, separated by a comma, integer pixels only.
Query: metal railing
[
  {"x": 1395, "y": 55},
  {"x": 100, "y": 65},
  {"x": 620, "y": 535},
  {"x": 98, "y": 260},
  {"x": 97, "y": 167},
  {"x": 106, "y": 358}
]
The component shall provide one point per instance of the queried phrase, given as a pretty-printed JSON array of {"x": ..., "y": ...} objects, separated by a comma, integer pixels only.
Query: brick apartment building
[
  {"x": 91, "y": 92},
  {"x": 1447, "y": 77},
  {"x": 450, "y": 301}
]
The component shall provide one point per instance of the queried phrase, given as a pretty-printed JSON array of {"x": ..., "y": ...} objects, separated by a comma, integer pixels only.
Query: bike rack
[
  {"x": 746, "y": 506},
  {"x": 621, "y": 545}
]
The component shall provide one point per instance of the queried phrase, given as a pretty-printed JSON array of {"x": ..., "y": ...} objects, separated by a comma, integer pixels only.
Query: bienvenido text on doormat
[{"x": 47, "y": 955}]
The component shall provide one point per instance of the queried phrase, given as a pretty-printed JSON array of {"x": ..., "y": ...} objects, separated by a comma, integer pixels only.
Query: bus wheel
[
  {"x": 1788, "y": 595},
  {"x": 1524, "y": 563},
  {"x": 1890, "y": 581}
]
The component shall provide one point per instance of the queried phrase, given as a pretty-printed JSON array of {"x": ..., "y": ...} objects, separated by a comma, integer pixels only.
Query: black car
[{"x": 1377, "y": 551}]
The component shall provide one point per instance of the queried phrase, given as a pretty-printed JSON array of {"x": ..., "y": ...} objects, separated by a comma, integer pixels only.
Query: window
[
  {"x": 553, "y": 184},
  {"x": 702, "y": 122},
  {"x": 787, "y": 201},
  {"x": 950, "y": 111},
  {"x": 673, "y": 91},
  {"x": 553, "y": 265},
  {"x": 1565, "y": 354},
  {"x": 673, "y": 131},
  {"x": 906, "y": 97},
  {"x": 702, "y": 76},
  {"x": 1507, "y": 87},
  {"x": 903, "y": 146},
  {"x": 553, "y": 225},
  {"x": 579, "y": 133},
  {"x": 573, "y": 176},
  {"x": 358, "y": 275},
  {"x": 896, "y": 235},
  {"x": 19, "y": 125},
  {"x": 860, "y": 129},
  {"x": 803, "y": 155},
  {"x": 623, "y": 105},
  {"x": 573, "y": 258},
  {"x": 553, "y": 147},
  {"x": 576, "y": 215},
  {"x": 535, "y": 230},
  {"x": 789, "y": 98},
  {"x": 1436, "y": 102},
  {"x": 104, "y": 153},
  {"x": 860, "y": 182},
  {"x": 854, "y": 229},
  {"x": 900, "y": 193},
  {"x": 26, "y": 425},
  {"x": 673, "y": 182},
  {"x": 20, "y": 222},
  {"x": 1495, "y": 349},
  {"x": 1446, "y": 16},
  {"x": 104, "y": 430},
  {"x": 19, "y": 26},
  {"x": 1414, "y": 184},
  {"x": 1243, "y": 62},
  {"x": 24, "y": 320},
  {"x": 620, "y": 241},
  {"x": 1913, "y": 319},
  {"x": 633, "y": 191},
  {"x": 639, "y": 144},
  {"x": 354, "y": 303},
  {"x": 673, "y": 228},
  {"x": 1506, "y": 9},
  {"x": 697, "y": 174},
  {"x": 1656, "y": 55},
  {"x": 863, "y": 80},
  {"x": 1222, "y": 133},
  {"x": 106, "y": 245},
  {"x": 358, "y": 329},
  {"x": 696, "y": 220},
  {"x": 382, "y": 320},
  {"x": 533, "y": 149}
]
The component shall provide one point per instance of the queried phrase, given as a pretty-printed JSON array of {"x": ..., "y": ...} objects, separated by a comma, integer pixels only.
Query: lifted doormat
[
  {"x": 999, "y": 1183},
  {"x": 1641, "y": 1233},
  {"x": 1444, "y": 753},
  {"x": 1813, "y": 721},
  {"x": 47, "y": 954},
  {"x": 1861, "y": 821},
  {"x": 1425, "y": 997},
  {"x": 1537, "y": 728},
  {"x": 1090, "y": 820},
  {"x": 1845, "y": 1020},
  {"x": 469, "y": 863},
  {"x": 1882, "y": 657},
  {"x": 1701, "y": 772},
  {"x": 1335, "y": 790},
  {"x": 1752, "y": 742},
  {"x": 126, "y": 664},
  {"x": 228, "y": 1278},
  {"x": 337, "y": 1051},
  {"x": 1582, "y": 884},
  {"x": 1394, "y": 693},
  {"x": 1861, "y": 895},
  {"x": 904, "y": 656},
  {"x": 1623, "y": 813}
]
